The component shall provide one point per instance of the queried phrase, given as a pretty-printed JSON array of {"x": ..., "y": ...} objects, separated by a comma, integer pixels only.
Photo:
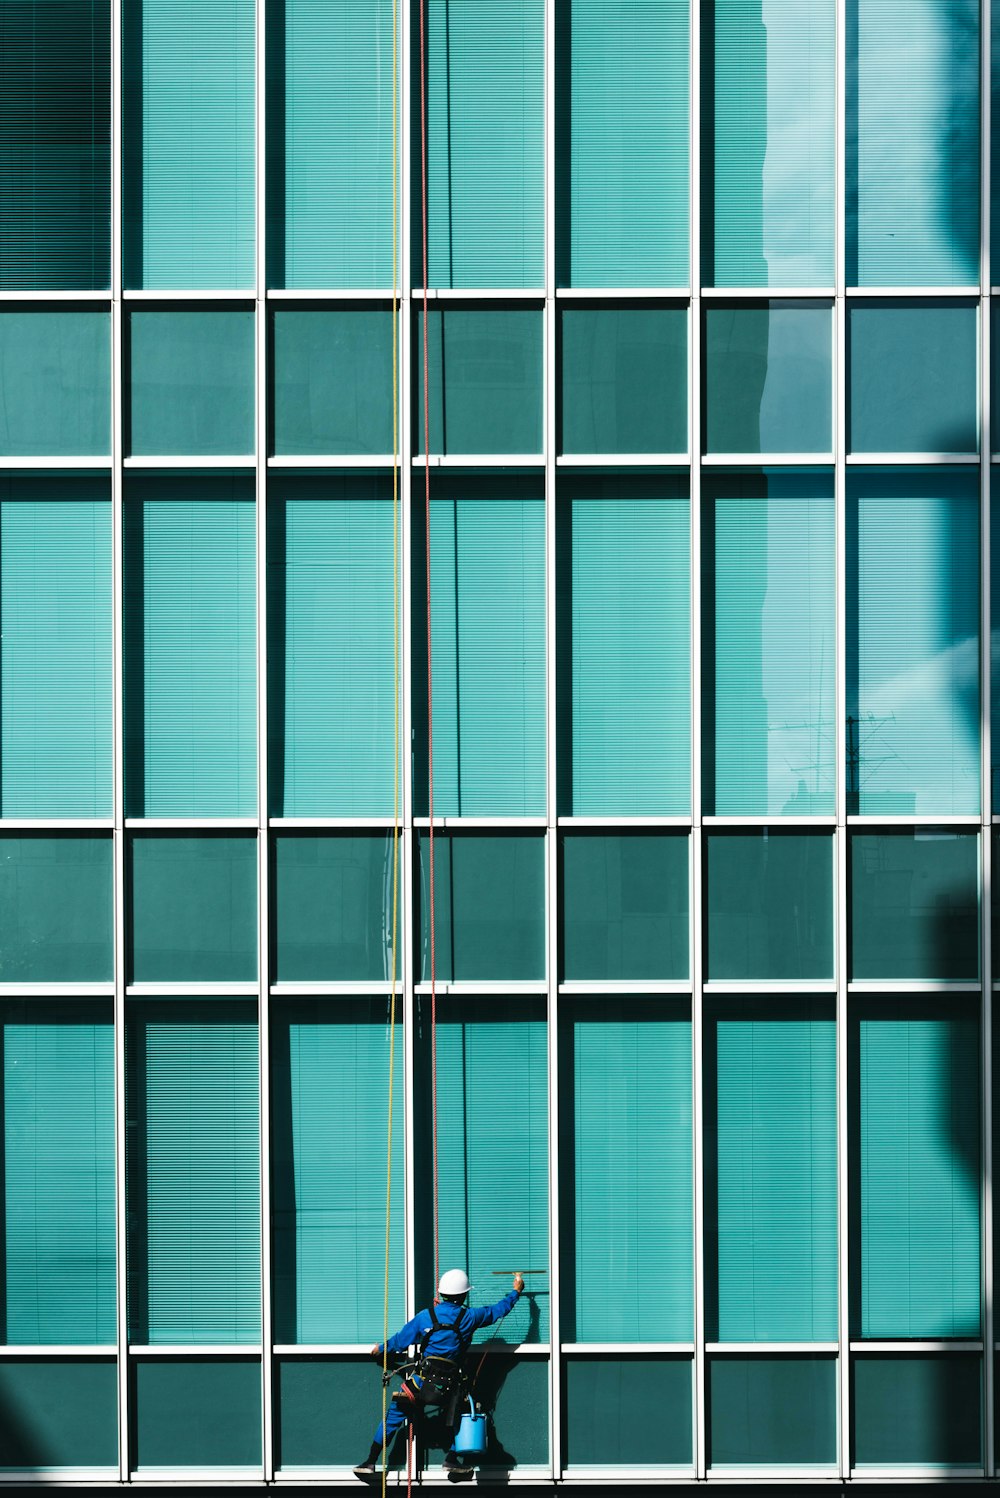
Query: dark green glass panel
[
  {"x": 55, "y": 160},
  {"x": 770, "y": 905},
  {"x": 912, "y": 377},
  {"x": 489, "y": 906},
  {"x": 56, "y": 1414},
  {"x": 193, "y": 908},
  {"x": 56, "y": 366},
  {"x": 628, "y": 1412},
  {"x": 332, "y": 372},
  {"x": 768, "y": 378},
  {"x": 485, "y": 380},
  {"x": 914, "y": 902},
  {"x": 332, "y": 907},
  {"x": 326, "y": 1410},
  {"x": 918, "y": 1411},
  {"x": 56, "y": 898},
  {"x": 196, "y": 1414},
  {"x": 623, "y": 378},
  {"x": 778, "y": 1411},
  {"x": 624, "y": 905},
  {"x": 190, "y": 381}
]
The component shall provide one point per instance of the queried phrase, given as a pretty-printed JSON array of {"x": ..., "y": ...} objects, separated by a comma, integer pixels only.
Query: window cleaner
[{"x": 442, "y": 1335}]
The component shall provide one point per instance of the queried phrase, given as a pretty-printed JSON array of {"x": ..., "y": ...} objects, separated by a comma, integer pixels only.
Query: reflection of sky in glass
[{"x": 768, "y": 382}]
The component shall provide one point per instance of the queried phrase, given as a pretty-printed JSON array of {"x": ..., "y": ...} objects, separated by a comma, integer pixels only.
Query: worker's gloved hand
[
  {"x": 519, "y": 1282},
  {"x": 376, "y": 1353}
]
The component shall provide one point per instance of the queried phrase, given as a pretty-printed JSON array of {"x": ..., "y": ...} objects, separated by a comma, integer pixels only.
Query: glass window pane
[
  {"x": 488, "y": 638},
  {"x": 56, "y": 904},
  {"x": 489, "y": 906},
  {"x": 56, "y": 368},
  {"x": 492, "y": 1131},
  {"x": 58, "y": 1414},
  {"x": 623, "y": 548},
  {"x": 59, "y": 1173},
  {"x": 55, "y": 124},
  {"x": 770, "y": 905},
  {"x": 624, "y": 906},
  {"x": 485, "y": 156},
  {"x": 188, "y": 136},
  {"x": 913, "y": 641},
  {"x": 632, "y": 1411},
  {"x": 622, "y": 143},
  {"x": 204, "y": 1413},
  {"x": 330, "y": 1097},
  {"x": 912, "y": 143},
  {"x": 914, "y": 1078},
  {"x": 56, "y": 694},
  {"x": 331, "y": 908},
  {"x": 768, "y": 370},
  {"x": 323, "y": 1405},
  {"x": 332, "y": 373},
  {"x": 768, "y": 126},
  {"x": 625, "y": 1065},
  {"x": 192, "y": 1174},
  {"x": 484, "y": 377},
  {"x": 330, "y": 646},
  {"x": 623, "y": 379},
  {"x": 912, "y": 377},
  {"x": 193, "y": 908},
  {"x": 892, "y": 1397},
  {"x": 191, "y": 382},
  {"x": 772, "y": 1411},
  {"x": 914, "y": 904},
  {"x": 768, "y": 643},
  {"x": 190, "y": 647},
  {"x": 771, "y": 1169}
]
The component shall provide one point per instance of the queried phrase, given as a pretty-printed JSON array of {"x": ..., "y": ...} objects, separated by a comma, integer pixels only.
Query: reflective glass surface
[
  {"x": 769, "y": 902},
  {"x": 912, "y": 377},
  {"x": 624, "y": 379},
  {"x": 191, "y": 385},
  {"x": 768, "y": 378}
]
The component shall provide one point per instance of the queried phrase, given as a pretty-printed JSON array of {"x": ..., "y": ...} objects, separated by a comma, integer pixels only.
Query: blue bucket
[{"x": 471, "y": 1436}]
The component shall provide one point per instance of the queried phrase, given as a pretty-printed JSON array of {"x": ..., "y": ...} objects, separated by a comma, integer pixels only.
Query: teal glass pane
[
  {"x": 192, "y": 1163},
  {"x": 995, "y": 132},
  {"x": 56, "y": 909},
  {"x": 492, "y": 1133},
  {"x": 484, "y": 377},
  {"x": 193, "y": 908},
  {"x": 55, "y": 125},
  {"x": 625, "y": 1412},
  {"x": 323, "y": 1405},
  {"x": 913, "y": 641},
  {"x": 329, "y": 143},
  {"x": 489, "y": 906},
  {"x": 622, "y": 143},
  {"x": 59, "y": 1173},
  {"x": 332, "y": 371},
  {"x": 912, "y": 211},
  {"x": 330, "y": 1096},
  {"x": 190, "y": 647},
  {"x": 485, "y": 143},
  {"x": 625, "y": 1072},
  {"x": 58, "y": 1414},
  {"x": 204, "y": 1413},
  {"x": 623, "y": 677},
  {"x": 912, "y": 377},
  {"x": 190, "y": 382},
  {"x": 768, "y": 130},
  {"x": 188, "y": 136},
  {"x": 771, "y": 1169},
  {"x": 769, "y": 905},
  {"x": 918, "y": 1411},
  {"x": 915, "y": 1162},
  {"x": 487, "y": 569},
  {"x": 623, "y": 379},
  {"x": 624, "y": 907},
  {"x": 768, "y": 647},
  {"x": 330, "y": 646},
  {"x": 55, "y": 647},
  {"x": 772, "y": 1412},
  {"x": 332, "y": 910},
  {"x": 914, "y": 895},
  {"x": 768, "y": 378},
  {"x": 56, "y": 365}
]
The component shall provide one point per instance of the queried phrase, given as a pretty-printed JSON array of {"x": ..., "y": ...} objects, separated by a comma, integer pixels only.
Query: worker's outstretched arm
[
  {"x": 486, "y": 1315},
  {"x": 406, "y": 1336}
]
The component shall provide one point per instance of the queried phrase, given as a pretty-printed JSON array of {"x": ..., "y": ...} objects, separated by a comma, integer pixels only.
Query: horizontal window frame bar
[
  {"x": 348, "y": 824},
  {"x": 280, "y": 461},
  {"x": 777, "y": 822},
  {"x": 586, "y": 1476},
  {"x": 951, "y": 293},
  {"x": 472, "y": 988},
  {"x": 192, "y": 990},
  {"x": 248, "y": 1350},
  {"x": 11, "y": 297},
  {"x": 585, "y": 1349},
  {"x": 766, "y": 1349},
  {"x": 480, "y": 460},
  {"x": 911, "y": 460},
  {"x": 651, "y": 821},
  {"x": 200, "y": 294},
  {"x": 331, "y": 294},
  {"x": 478, "y": 294},
  {"x": 56, "y": 824},
  {"x": 196, "y": 461},
  {"x": 783, "y": 987},
  {"x": 769, "y": 293},
  {"x": 86, "y": 1350},
  {"x": 623, "y": 460},
  {"x": 210, "y": 824},
  {"x": 623, "y": 293},
  {"x": 337, "y": 989},
  {"x": 29, "y": 991},
  {"x": 363, "y": 1349},
  {"x": 917, "y": 1344},
  {"x": 768, "y": 460},
  {"x": 912, "y": 819},
  {"x": 651, "y": 986},
  {"x": 537, "y": 824},
  {"x": 50, "y": 464},
  {"x": 877, "y": 986}
]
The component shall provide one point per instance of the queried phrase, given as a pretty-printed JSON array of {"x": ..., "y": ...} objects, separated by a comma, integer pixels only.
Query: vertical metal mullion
[
  {"x": 409, "y": 934},
  {"x": 986, "y": 850}
]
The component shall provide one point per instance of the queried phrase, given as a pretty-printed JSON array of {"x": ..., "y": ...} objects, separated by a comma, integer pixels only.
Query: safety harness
[{"x": 432, "y": 1379}]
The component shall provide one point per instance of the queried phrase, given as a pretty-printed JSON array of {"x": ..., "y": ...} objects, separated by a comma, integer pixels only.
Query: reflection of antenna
[{"x": 856, "y": 743}]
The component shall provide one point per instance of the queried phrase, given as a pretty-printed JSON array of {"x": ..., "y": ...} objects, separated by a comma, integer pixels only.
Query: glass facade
[{"x": 499, "y": 735}]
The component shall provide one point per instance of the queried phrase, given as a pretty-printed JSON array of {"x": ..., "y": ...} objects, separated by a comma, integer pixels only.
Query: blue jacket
[{"x": 457, "y": 1324}]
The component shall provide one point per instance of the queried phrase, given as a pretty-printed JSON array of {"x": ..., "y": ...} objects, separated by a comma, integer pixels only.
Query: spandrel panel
[
  {"x": 914, "y": 904},
  {"x": 624, "y": 905},
  {"x": 912, "y": 377},
  {"x": 55, "y": 366},
  {"x": 56, "y": 908},
  {"x": 892, "y": 1397},
  {"x": 332, "y": 372},
  {"x": 769, "y": 898},
  {"x": 772, "y": 1412},
  {"x": 191, "y": 382},
  {"x": 628, "y": 1411},
  {"x": 623, "y": 379},
  {"x": 204, "y": 1413},
  {"x": 57, "y": 1412},
  {"x": 193, "y": 912},
  {"x": 489, "y": 907},
  {"x": 767, "y": 378},
  {"x": 331, "y": 908},
  {"x": 484, "y": 379}
]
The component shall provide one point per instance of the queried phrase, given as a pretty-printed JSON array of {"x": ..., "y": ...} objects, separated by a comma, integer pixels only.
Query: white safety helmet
[{"x": 454, "y": 1282}]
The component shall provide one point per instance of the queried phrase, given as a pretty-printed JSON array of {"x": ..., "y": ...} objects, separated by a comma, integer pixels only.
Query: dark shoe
[
  {"x": 453, "y": 1462},
  {"x": 365, "y": 1469}
]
